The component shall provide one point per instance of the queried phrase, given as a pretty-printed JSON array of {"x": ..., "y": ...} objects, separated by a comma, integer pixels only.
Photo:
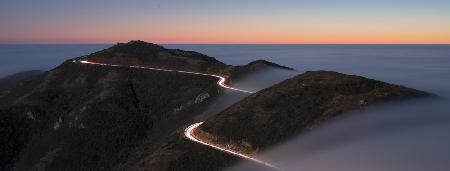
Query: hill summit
[{"x": 152, "y": 55}]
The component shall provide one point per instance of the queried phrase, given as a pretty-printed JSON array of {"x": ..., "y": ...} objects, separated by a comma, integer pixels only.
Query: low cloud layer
[{"x": 406, "y": 136}]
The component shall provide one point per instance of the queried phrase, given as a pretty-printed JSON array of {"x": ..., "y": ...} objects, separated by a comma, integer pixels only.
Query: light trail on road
[
  {"x": 189, "y": 131},
  {"x": 221, "y": 81}
]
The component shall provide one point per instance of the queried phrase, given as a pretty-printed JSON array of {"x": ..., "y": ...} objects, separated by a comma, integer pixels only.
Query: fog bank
[{"x": 402, "y": 136}]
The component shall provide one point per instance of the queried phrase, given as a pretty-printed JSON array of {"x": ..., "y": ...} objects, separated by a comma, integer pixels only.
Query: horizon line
[{"x": 67, "y": 43}]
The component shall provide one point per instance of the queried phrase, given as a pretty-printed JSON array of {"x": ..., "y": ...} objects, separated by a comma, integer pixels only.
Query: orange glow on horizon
[
  {"x": 261, "y": 40},
  {"x": 227, "y": 22},
  {"x": 245, "y": 35},
  {"x": 257, "y": 40}
]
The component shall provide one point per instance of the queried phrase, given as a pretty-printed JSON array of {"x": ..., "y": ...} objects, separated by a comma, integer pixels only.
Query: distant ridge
[
  {"x": 267, "y": 63},
  {"x": 8, "y": 81},
  {"x": 236, "y": 72}
]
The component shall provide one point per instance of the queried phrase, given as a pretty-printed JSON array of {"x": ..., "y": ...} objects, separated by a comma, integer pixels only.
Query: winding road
[
  {"x": 189, "y": 131},
  {"x": 221, "y": 81}
]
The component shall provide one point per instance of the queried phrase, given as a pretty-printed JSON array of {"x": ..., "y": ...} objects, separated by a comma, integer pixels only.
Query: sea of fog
[
  {"x": 425, "y": 67},
  {"x": 18, "y": 58},
  {"x": 403, "y": 136}
]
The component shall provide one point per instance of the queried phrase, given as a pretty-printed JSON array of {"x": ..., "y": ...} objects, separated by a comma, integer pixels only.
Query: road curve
[{"x": 189, "y": 131}]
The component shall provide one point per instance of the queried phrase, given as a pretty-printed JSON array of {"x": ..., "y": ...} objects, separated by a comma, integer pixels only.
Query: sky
[{"x": 226, "y": 21}]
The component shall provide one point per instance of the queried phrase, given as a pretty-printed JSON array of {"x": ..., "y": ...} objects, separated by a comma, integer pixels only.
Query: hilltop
[{"x": 152, "y": 55}]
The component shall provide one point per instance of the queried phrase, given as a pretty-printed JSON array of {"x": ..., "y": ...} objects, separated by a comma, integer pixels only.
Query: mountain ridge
[{"x": 82, "y": 117}]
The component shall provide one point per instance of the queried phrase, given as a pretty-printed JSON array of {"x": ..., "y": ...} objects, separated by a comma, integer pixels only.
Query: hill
[
  {"x": 270, "y": 117},
  {"x": 236, "y": 72},
  {"x": 91, "y": 117},
  {"x": 152, "y": 55},
  {"x": 295, "y": 106}
]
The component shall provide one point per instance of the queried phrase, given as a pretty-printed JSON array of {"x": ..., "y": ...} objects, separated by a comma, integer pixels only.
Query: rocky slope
[
  {"x": 295, "y": 106},
  {"x": 90, "y": 117}
]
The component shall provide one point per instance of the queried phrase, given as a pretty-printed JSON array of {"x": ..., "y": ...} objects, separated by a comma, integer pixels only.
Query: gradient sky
[{"x": 225, "y": 21}]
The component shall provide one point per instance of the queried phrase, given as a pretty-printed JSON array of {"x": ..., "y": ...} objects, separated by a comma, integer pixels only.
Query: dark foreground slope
[
  {"x": 294, "y": 106},
  {"x": 89, "y": 117},
  {"x": 93, "y": 118}
]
